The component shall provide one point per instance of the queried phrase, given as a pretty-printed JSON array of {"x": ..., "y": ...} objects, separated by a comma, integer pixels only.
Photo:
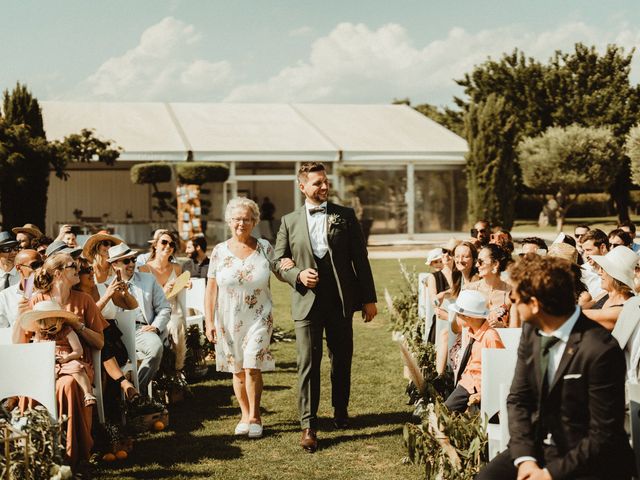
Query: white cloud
[
  {"x": 161, "y": 67},
  {"x": 354, "y": 63},
  {"x": 301, "y": 31}
]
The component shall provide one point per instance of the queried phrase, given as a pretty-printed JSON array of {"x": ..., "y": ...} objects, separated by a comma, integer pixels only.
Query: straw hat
[
  {"x": 564, "y": 251},
  {"x": 44, "y": 309},
  {"x": 620, "y": 263},
  {"x": 433, "y": 255},
  {"x": 120, "y": 251},
  {"x": 29, "y": 229},
  {"x": 87, "y": 249},
  {"x": 470, "y": 303}
]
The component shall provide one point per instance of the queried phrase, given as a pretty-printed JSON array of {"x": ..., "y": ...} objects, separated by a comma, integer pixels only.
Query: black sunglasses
[
  {"x": 10, "y": 249},
  {"x": 129, "y": 260},
  {"x": 86, "y": 270},
  {"x": 475, "y": 231},
  {"x": 33, "y": 265},
  {"x": 167, "y": 242}
]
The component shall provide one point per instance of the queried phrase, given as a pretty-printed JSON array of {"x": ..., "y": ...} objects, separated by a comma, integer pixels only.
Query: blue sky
[{"x": 257, "y": 51}]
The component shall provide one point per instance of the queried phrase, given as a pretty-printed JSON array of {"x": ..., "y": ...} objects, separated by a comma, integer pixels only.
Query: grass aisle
[{"x": 199, "y": 442}]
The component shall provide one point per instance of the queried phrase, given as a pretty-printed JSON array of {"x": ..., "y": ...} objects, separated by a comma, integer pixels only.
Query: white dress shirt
[
  {"x": 9, "y": 299},
  {"x": 317, "y": 224},
  {"x": 14, "y": 278}
]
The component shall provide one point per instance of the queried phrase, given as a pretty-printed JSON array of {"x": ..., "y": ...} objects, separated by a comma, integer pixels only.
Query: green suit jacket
[{"x": 348, "y": 254}]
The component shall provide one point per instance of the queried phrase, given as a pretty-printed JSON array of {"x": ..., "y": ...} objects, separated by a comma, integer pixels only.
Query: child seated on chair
[
  {"x": 47, "y": 321},
  {"x": 470, "y": 308}
]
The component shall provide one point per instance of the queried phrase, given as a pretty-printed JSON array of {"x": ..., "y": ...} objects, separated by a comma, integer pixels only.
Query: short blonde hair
[{"x": 244, "y": 203}]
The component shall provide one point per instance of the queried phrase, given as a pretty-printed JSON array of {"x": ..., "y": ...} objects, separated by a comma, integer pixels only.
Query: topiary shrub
[
  {"x": 154, "y": 172},
  {"x": 199, "y": 173}
]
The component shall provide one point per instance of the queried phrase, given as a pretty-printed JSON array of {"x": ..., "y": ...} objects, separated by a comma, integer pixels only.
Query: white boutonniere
[{"x": 334, "y": 219}]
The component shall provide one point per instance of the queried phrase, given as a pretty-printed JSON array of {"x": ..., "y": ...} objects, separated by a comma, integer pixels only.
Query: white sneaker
[
  {"x": 255, "y": 430},
  {"x": 242, "y": 429}
]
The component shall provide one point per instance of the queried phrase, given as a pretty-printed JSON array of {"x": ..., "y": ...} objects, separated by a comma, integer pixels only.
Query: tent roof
[{"x": 227, "y": 131}]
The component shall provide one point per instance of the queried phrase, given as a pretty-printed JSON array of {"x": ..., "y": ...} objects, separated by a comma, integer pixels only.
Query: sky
[{"x": 302, "y": 51}]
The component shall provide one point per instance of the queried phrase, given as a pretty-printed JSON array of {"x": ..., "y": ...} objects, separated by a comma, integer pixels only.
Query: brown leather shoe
[{"x": 309, "y": 441}]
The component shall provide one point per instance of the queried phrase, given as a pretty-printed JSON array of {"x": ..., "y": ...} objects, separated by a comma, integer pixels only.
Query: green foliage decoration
[
  {"x": 152, "y": 172},
  {"x": 199, "y": 173},
  {"x": 632, "y": 149},
  {"x": 403, "y": 308}
]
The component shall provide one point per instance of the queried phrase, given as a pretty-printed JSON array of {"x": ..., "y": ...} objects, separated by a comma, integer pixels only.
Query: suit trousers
[
  {"x": 502, "y": 468},
  {"x": 326, "y": 316}
]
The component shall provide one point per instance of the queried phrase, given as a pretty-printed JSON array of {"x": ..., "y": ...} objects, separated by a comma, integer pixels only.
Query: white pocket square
[{"x": 572, "y": 376}]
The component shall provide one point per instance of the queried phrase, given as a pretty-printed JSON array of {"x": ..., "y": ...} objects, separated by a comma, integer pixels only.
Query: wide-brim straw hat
[
  {"x": 470, "y": 303},
  {"x": 44, "y": 309},
  {"x": 620, "y": 263},
  {"x": 29, "y": 229},
  {"x": 564, "y": 251},
  {"x": 87, "y": 249},
  {"x": 433, "y": 255},
  {"x": 120, "y": 252}
]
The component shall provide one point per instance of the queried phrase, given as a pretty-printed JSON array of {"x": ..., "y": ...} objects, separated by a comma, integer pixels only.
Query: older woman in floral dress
[{"x": 238, "y": 310}]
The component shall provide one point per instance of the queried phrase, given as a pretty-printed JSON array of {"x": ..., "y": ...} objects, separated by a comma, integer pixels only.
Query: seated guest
[
  {"x": 579, "y": 231},
  {"x": 108, "y": 299},
  {"x": 438, "y": 281},
  {"x": 594, "y": 242},
  {"x": 40, "y": 244},
  {"x": 567, "y": 402},
  {"x": 26, "y": 263},
  {"x": 533, "y": 245},
  {"x": 58, "y": 246},
  {"x": 481, "y": 232},
  {"x": 570, "y": 254},
  {"x": 619, "y": 237},
  {"x": 96, "y": 250},
  {"x": 152, "y": 314},
  {"x": 144, "y": 257},
  {"x": 26, "y": 235},
  {"x": 9, "y": 247},
  {"x": 53, "y": 281},
  {"x": 617, "y": 270},
  {"x": 198, "y": 263},
  {"x": 492, "y": 261},
  {"x": 70, "y": 239},
  {"x": 470, "y": 308},
  {"x": 630, "y": 227},
  {"x": 503, "y": 238}
]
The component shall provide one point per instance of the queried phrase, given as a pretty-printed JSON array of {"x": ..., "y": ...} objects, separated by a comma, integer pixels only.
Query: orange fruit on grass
[
  {"x": 121, "y": 454},
  {"x": 158, "y": 426},
  {"x": 108, "y": 457}
]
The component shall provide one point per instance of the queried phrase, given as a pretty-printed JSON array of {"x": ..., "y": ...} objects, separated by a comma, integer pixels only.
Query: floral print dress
[{"x": 243, "y": 320}]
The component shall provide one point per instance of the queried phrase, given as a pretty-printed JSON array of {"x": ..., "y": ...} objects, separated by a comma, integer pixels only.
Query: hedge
[
  {"x": 154, "y": 172},
  {"x": 199, "y": 173}
]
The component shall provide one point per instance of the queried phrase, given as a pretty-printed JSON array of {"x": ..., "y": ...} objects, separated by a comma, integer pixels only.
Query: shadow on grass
[{"x": 325, "y": 443}]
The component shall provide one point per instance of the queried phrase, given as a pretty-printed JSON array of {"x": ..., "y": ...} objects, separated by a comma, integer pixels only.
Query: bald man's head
[{"x": 27, "y": 261}]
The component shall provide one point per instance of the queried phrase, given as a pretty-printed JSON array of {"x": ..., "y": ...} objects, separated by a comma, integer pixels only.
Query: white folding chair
[
  {"x": 195, "y": 302},
  {"x": 126, "y": 322},
  {"x": 96, "y": 356},
  {"x": 28, "y": 370},
  {"x": 633, "y": 394},
  {"x": 498, "y": 366},
  {"x": 504, "y": 416},
  {"x": 510, "y": 337},
  {"x": 6, "y": 336}
]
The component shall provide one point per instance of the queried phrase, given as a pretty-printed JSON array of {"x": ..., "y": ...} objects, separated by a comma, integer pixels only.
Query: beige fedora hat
[
  {"x": 87, "y": 248},
  {"x": 620, "y": 263},
  {"x": 564, "y": 251},
  {"x": 120, "y": 251},
  {"x": 44, "y": 309},
  {"x": 29, "y": 229}
]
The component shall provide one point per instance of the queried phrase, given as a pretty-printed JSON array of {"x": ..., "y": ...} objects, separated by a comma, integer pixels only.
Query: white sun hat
[
  {"x": 620, "y": 263},
  {"x": 470, "y": 303},
  {"x": 433, "y": 255},
  {"x": 120, "y": 252},
  {"x": 44, "y": 309}
]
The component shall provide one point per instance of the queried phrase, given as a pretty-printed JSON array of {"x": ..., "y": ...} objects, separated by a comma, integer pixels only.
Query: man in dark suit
[
  {"x": 331, "y": 280},
  {"x": 566, "y": 406}
]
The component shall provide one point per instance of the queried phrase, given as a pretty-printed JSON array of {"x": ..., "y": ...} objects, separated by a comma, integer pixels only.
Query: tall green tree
[
  {"x": 582, "y": 87},
  {"x": 491, "y": 129},
  {"x": 565, "y": 161}
]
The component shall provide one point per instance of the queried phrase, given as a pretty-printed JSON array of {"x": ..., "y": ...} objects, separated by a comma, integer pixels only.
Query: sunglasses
[
  {"x": 33, "y": 265},
  {"x": 86, "y": 271},
  {"x": 49, "y": 330},
  {"x": 476, "y": 231},
  {"x": 129, "y": 260},
  {"x": 73, "y": 266},
  {"x": 614, "y": 245},
  {"x": 9, "y": 249},
  {"x": 167, "y": 242},
  {"x": 106, "y": 243}
]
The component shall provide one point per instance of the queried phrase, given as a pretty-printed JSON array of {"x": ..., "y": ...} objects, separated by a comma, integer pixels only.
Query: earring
[{"x": 495, "y": 270}]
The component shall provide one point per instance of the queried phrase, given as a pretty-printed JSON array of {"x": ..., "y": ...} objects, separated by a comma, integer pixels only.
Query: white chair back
[
  {"x": 6, "y": 336},
  {"x": 126, "y": 322},
  {"x": 504, "y": 417},
  {"x": 498, "y": 366},
  {"x": 195, "y": 295},
  {"x": 28, "y": 369},
  {"x": 510, "y": 337},
  {"x": 633, "y": 394},
  {"x": 96, "y": 356}
]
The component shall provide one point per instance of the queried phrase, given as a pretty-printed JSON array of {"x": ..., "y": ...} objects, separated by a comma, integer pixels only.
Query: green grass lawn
[{"x": 199, "y": 441}]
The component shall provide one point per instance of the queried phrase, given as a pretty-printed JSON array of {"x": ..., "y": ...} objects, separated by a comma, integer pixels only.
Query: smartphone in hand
[{"x": 118, "y": 276}]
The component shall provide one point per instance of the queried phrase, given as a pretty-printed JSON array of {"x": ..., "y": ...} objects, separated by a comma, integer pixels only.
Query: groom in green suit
[{"x": 331, "y": 280}]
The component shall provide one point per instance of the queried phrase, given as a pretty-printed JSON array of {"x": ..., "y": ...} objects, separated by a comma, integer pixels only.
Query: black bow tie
[{"x": 314, "y": 210}]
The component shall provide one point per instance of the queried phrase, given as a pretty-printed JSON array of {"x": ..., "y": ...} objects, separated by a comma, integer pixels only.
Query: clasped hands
[{"x": 529, "y": 470}]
